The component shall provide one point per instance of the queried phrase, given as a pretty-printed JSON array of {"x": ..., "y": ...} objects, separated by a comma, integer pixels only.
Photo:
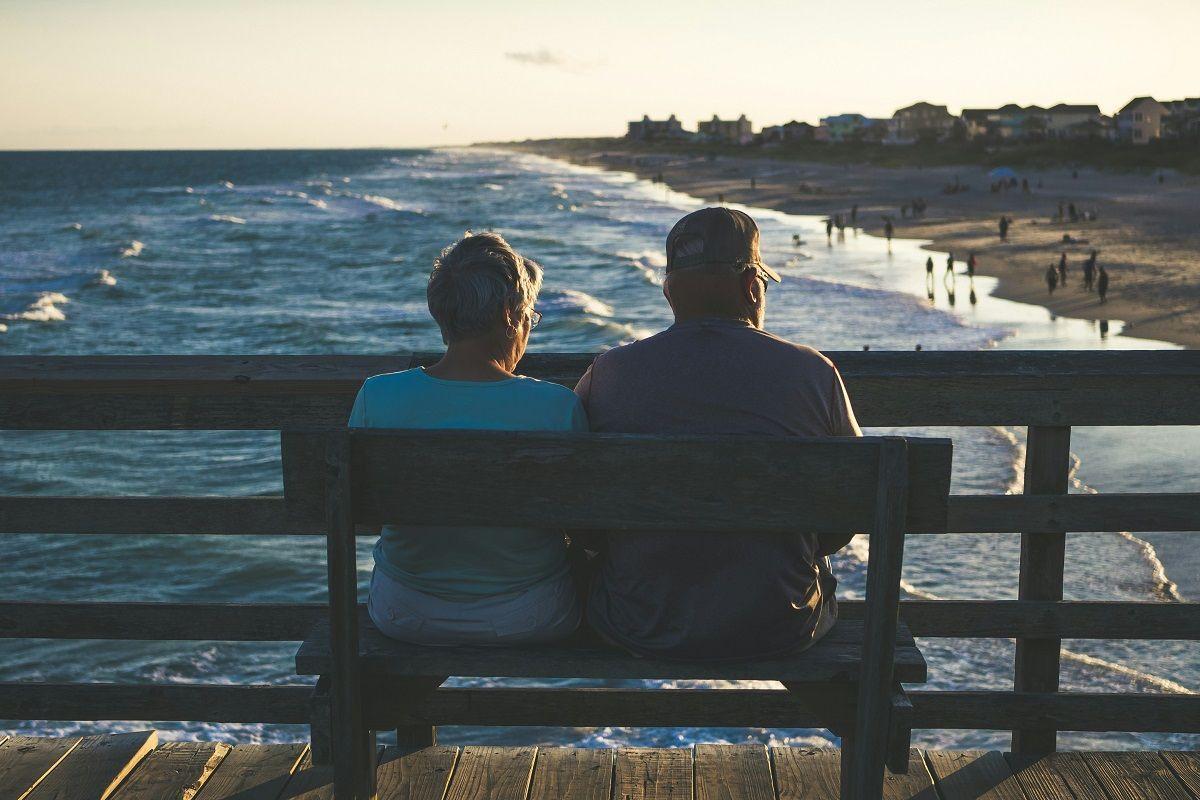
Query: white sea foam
[
  {"x": 188, "y": 190},
  {"x": 229, "y": 218},
  {"x": 3, "y": 328},
  {"x": 133, "y": 249},
  {"x": 75, "y": 226},
  {"x": 318, "y": 203},
  {"x": 44, "y": 309},
  {"x": 105, "y": 278},
  {"x": 227, "y": 184},
  {"x": 495, "y": 187},
  {"x": 572, "y": 300}
]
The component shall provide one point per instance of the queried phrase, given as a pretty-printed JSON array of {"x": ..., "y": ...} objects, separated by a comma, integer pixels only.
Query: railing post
[{"x": 1047, "y": 468}]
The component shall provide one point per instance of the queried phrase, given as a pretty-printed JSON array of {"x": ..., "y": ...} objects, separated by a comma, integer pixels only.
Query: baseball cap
[{"x": 721, "y": 237}]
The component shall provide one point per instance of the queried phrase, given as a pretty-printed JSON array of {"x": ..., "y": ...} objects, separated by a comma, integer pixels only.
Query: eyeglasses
[{"x": 535, "y": 317}]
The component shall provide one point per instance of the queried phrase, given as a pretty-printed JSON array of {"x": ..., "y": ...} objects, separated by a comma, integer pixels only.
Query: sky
[{"x": 161, "y": 74}]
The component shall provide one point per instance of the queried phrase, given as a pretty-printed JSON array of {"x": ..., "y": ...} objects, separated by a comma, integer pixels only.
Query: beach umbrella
[{"x": 1002, "y": 173}]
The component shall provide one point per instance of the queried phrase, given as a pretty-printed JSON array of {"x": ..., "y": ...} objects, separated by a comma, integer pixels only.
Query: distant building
[
  {"x": 977, "y": 121},
  {"x": 1184, "y": 119},
  {"x": 734, "y": 131},
  {"x": 787, "y": 132},
  {"x": 844, "y": 127},
  {"x": 1065, "y": 121},
  {"x": 647, "y": 129},
  {"x": 921, "y": 120},
  {"x": 1141, "y": 120}
]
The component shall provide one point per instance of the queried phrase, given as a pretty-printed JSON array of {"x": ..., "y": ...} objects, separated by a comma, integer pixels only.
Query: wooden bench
[{"x": 849, "y": 681}]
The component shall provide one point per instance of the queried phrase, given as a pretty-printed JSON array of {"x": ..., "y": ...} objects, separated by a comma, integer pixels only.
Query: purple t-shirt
[{"x": 713, "y": 595}]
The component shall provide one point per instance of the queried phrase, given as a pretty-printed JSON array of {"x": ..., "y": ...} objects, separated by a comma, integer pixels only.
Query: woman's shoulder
[
  {"x": 544, "y": 390},
  {"x": 393, "y": 380}
]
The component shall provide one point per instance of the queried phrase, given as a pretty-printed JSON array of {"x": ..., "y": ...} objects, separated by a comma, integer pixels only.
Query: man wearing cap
[{"x": 711, "y": 595}]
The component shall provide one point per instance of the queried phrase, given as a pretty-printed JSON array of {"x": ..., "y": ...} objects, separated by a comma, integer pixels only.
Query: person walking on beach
[
  {"x": 1089, "y": 271},
  {"x": 949, "y": 265},
  {"x": 829, "y": 228},
  {"x": 888, "y": 229},
  {"x": 1003, "y": 229},
  {"x": 1062, "y": 270},
  {"x": 971, "y": 266},
  {"x": 929, "y": 277},
  {"x": 721, "y": 597},
  {"x": 1051, "y": 278},
  {"x": 1102, "y": 285}
]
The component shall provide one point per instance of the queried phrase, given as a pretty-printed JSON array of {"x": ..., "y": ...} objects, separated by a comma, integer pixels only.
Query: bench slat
[{"x": 837, "y": 657}]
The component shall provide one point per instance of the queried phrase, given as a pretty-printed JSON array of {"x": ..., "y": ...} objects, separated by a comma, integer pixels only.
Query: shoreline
[{"x": 1148, "y": 234}]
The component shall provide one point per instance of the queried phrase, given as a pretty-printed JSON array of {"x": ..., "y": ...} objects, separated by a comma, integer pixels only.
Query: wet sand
[{"x": 1147, "y": 233}]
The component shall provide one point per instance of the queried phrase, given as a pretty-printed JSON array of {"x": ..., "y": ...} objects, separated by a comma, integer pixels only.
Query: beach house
[
  {"x": 1141, "y": 120},
  {"x": 733, "y": 131},
  {"x": 787, "y": 132},
  {"x": 921, "y": 121},
  {"x": 854, "y": 128},
  {"x": 1065, "y": 121},
  {"x": 1184, "y": 119},
  {"x": 646, "y": 129}
]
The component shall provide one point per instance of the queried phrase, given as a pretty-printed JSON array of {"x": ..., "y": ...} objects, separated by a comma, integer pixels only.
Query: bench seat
[{"x": 836, "y": 657}]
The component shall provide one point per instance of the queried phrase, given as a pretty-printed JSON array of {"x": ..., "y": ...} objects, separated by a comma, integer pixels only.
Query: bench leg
[
  {"x": 899, "y": 732},
  {"x": 847, "y": 766},
  {"x": 320, "y": 723}
]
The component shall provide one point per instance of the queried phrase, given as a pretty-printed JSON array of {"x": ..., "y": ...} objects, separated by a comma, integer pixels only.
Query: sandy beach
[{"x": 1147, "y": 233}]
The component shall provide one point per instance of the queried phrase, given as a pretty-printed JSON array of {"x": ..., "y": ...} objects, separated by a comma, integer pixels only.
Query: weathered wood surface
[
  {"x": 974, "y": 775},
  {"x": 813, "y": 774},
  {"x": 253, "y": 772},
  {"x": 492, "y": 773},
  {"x": 1043, "y": 556},
  {"x": 1136, "y": 775},
  {"x": 652, "y": 774},
  {"x": 25, "y": 760},
  {"x": 292, "y": 622},
  {"x": 888, "y": 389},
  {"x": 571, "y": 773},
  {"x": 423, "y": 775},
  {"x": 95, "y": 767},
  {"x": 732, "y": 772},
  {"x": 1186, "y": 766},
  {"x": 600, "y": 481},
  {"x": 838, "y": 656},
  {"x": 1055, "y": 775},
  {"x": 172, "y": 771}
]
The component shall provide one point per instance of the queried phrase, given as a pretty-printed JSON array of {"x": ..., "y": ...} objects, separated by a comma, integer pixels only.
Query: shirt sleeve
[
  {"x": 358, "y": 414},
  {"x": 579, "y": 420},
  {"x": 583, "y": 389},
  {"x": 842, "y": 421}
]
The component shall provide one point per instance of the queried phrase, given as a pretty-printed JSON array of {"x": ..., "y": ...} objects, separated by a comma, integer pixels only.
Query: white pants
[{"x": 543, "y": 612}]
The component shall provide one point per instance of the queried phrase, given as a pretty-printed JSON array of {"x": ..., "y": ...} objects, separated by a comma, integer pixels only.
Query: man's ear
[{"x": 752, "y": 287}]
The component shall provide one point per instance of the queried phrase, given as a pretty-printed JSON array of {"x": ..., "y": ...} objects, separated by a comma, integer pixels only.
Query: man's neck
[{"x": 734, "y": 319}]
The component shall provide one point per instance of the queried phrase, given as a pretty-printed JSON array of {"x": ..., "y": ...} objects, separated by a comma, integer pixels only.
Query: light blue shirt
[{"x": 457, "y": 562}]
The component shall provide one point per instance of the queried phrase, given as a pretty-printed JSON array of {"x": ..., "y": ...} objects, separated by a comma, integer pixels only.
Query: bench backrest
[{"x": 615, "y": 481}]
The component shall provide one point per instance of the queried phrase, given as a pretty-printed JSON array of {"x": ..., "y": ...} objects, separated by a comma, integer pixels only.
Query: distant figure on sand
[
  {"x": 1003, "y": 228},
  {"x": 1062, "y": 269},
  {"x": 854, "y": 214},
  {"x": 950, "y": 264},
  {"x": 829, "y": 228},
  {"x": 1089, "y": 271},
  {"x": 1051, "y": 278},
  {"x": 1102, "y": 285},
  {"x": 888, "y": 230},
  {"x": 971, "y": 265},
  {"x": 929, "y": 277},
  {"x": 722, "y": 597}
]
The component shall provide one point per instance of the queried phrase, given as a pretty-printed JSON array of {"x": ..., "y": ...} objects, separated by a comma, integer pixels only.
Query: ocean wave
[
  {"x": 132, "y": 250},
  {"x": 559, "y": 301},
  {"x": 493, "y": 187},
  {"x": 44, "y": 309},
  {"x": 227, "y": 218},
  {"x": 226, "y": 184},
  {"x": 105, "y": 278}
]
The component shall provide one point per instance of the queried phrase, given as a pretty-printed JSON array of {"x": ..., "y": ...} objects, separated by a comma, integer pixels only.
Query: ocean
[{"x": 328, "y": 252}]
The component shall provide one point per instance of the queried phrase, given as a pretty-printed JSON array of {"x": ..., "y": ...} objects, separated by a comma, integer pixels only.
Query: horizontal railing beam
[
  {"x": 888, "y": 388},
  {"x": 272, "y": 516},
  {"x": 289, "y": 622},
  {"x": 589, "y": 707}
]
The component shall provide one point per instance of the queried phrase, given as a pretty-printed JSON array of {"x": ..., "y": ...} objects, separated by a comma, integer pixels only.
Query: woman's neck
[{"x": 471, "y": 360}]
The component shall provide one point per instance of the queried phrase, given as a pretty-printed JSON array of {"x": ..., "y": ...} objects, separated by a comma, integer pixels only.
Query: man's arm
[{"x": 842, "y": 423}]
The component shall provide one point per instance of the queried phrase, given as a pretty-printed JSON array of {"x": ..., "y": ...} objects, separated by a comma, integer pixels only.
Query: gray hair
[{"x": 474, "y": 280}]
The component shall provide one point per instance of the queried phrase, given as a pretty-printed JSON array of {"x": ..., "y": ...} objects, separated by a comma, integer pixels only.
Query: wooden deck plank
[
  {"x": 492, "y": 773},
  {"x": 94, "y": 768},
  {"x": 421, "y": 775},
  {"x": 572, "y": 773},
  {"x": 254, "y": 772},
  {"x": 804, "y": 773},
  {"x": 974, "y": 775},
  {"x": 1136, "y": 775},
  {"x": 733, "y": 772},
  {"x": 1056, "y": 776},
  {"x": 25, "y": 760},
  {"x": 173, "y": 771},
  {"x": 1186, "y": 766},
  {"x": 652, "y": 774}
]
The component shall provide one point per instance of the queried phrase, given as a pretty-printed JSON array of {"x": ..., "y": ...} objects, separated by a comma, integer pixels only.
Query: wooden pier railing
[{"x": 1047, "y": 392}]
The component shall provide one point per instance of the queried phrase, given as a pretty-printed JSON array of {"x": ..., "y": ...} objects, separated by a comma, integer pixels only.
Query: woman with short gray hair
[{"x": 472, "y": 585}]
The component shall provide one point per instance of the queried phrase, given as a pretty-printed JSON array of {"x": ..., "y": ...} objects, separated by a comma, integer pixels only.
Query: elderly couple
[{"x": 714, "y": 371}]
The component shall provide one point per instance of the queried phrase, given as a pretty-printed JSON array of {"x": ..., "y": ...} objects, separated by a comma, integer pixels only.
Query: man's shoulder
[{"x": 753, "y": 341}]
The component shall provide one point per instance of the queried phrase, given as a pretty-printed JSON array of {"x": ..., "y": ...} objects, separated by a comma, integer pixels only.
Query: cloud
[{"x": 544, "y": 57}]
